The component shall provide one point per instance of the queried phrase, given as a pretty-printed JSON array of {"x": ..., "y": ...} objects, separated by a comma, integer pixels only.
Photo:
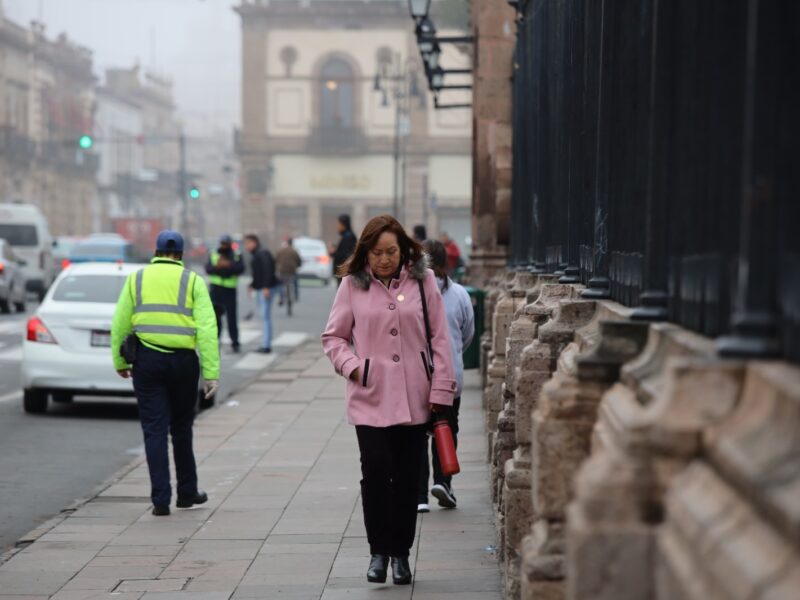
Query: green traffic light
[
  {"x": 85, "y": 142},
  {"x": 194, "y": 193}
]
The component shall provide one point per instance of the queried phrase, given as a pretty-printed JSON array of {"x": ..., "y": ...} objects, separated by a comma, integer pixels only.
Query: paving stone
[{"x": 151, "y": 585}]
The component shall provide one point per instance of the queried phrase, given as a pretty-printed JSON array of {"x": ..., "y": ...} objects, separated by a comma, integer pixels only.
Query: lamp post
[
  {"x": 397, "y": 80},
  {"x": 419, "y": 9}
]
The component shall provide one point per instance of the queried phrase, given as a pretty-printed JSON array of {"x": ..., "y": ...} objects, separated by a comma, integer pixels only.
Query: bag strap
[{"x": 427, "y": 322}]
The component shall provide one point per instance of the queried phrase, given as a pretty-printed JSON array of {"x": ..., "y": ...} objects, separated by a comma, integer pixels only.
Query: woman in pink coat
[{"x": 376, "y": 338}]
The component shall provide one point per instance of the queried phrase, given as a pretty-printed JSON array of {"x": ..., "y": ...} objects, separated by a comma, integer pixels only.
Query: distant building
[
  {"x": 46, "y": 104},
  {"x": 139, "y": 150},
  {"x": 318, "y": 138}
]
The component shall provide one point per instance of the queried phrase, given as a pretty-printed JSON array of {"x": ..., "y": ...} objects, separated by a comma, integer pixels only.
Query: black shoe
[
  {"x": 160, "y": 511},
  {"x": 378, "y": 565},
  {"x": 264, "y": 350},
  {"x": 236, "y": 349},
  {"x": 401, "y": 571},
  {"x": 444, "y": 494},
  {"x": 188, "y": 501}
]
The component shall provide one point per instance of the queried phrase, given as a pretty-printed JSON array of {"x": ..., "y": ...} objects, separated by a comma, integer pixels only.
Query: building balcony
[{"x": 326, "y": 139}]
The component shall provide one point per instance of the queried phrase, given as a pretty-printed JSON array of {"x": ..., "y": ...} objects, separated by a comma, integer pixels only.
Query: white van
[{"x": 25, "y": 228}]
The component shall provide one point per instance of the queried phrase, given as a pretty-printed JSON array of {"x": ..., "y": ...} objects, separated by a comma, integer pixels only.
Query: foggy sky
[{"x": 194, "y": 42}]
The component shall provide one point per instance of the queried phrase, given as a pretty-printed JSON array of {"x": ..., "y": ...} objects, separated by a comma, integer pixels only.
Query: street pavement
[
  {"x": 47, "y": 462},
  {"x": 280, "y": 465}
]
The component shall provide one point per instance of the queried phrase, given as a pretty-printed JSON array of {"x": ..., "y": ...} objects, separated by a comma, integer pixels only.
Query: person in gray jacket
[{"x": 461, "y": 325}]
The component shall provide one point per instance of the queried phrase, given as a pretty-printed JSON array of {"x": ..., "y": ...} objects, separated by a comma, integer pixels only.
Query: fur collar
[{"x": 419, "y": 271}]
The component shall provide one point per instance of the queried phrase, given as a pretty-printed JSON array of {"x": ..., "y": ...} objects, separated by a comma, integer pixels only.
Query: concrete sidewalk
[{"x": 280, "y": 465}]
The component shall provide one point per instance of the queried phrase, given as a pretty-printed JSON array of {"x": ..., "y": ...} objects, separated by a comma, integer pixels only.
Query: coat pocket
[
  {"x": 365, "y": 376},
  {"x": 425, "y": 365}
]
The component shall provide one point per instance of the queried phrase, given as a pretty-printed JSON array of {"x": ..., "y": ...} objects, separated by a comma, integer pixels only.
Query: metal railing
[
  {"x": 655, "y": 155},
  {"x": 334, "y": 139}
]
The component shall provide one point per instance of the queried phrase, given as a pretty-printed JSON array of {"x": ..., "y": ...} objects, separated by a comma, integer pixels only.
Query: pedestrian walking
[
  {"x": 264, "y": 286},
  {"x": 224, "y": 267},
  {"x": 461, "y": 326},
  {"x": 288, "y": 261},
  {"x": 454, "y": 260},
  {"x": 346, "y": 246},
  {"x": 398, "y": 371},
  {"x": 163, "y": 315}
]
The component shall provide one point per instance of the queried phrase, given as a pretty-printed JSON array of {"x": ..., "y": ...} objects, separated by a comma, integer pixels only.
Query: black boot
[
  {"x": 378, "y": 565},
  {"x": 200, "y": 497},
  {"x": 401, "y": 571}
]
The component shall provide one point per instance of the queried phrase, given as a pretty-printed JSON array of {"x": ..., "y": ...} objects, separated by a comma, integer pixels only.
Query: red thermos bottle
[{"x": 446, "y": 448}]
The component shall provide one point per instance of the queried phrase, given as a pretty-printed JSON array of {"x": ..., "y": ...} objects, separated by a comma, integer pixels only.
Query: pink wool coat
[{"x": 389, "y": 345}]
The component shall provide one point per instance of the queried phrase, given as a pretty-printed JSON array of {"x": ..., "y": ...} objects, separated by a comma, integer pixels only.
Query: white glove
[{"x": 210, "y": 388}]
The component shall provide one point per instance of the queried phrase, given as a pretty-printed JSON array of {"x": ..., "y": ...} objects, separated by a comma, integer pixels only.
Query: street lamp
[
  {"x": 397, "y": 80},
  {"x": 419, "y": 8},
  {"x": 426, "y": 35}
]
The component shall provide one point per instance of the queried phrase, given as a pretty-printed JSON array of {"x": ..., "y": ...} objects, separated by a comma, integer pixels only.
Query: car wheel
[
  {"x": 62, "y": 397},
  {"x": 5, "y": 307},
  {"x": 202, "y": 402},
  {"x": 35, "y": 401}
]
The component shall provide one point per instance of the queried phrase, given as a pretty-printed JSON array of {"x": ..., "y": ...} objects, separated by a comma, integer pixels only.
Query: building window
[{"x": 336, "y": 95}]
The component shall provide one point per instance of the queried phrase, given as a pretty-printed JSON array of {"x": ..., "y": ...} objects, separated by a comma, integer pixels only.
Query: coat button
[
  {"x": 392, "y": 307},
  {"x": 396, "y": 285},
  {"x": 396, "y": 358},
  {"x": 393, "y": 332}
]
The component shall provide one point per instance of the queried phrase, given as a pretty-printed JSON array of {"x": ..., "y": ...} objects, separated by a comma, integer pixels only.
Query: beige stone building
[
  {"x": 318, "y": 135},
  {"x": 46, "y": 104}
]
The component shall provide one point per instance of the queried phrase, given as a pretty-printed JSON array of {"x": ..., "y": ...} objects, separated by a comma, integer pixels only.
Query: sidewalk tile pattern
[{"x": 280, "y": 465}]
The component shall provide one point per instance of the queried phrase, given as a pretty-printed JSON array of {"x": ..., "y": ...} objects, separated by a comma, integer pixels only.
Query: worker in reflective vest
[
  {"x": 224, "y": 267},
  {"x": 167, "y": 310}
]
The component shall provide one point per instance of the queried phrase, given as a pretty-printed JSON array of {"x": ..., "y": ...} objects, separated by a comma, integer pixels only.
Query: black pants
[
  {"x": 227, "y": 299},
  {"x": 166, "y": 390},
  {"x": 390, "y": 462},
  {"x": 452, "y": 418}
]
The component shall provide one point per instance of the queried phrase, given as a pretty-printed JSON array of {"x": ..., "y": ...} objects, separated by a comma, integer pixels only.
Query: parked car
[
  {"x": 12, "y": 279},
  {"x": 317, "y": 263},
  {"x": 66, "y": 351},
  {"x": 25, "y": 228},
  {"x": 102, "y": 248}
]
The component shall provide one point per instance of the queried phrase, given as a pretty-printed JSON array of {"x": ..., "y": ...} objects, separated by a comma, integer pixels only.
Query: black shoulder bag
[{"x": 427, "y": 325}]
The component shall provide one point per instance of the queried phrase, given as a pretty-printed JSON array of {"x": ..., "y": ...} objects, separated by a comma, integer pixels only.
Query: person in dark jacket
[
  {"x": 264, "y": 285},
  {"x": 224, "y": 267},
  {"x": 347, "y": 244}
]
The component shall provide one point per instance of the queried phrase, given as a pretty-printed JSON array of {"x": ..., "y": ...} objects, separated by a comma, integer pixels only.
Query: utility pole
[{"x": 182, "y": 185}]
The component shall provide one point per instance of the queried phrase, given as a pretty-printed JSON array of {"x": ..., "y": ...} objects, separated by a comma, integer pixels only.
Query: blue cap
[
  {"x": 169, "y": 241},
  {"x": 226, "y": 239}
]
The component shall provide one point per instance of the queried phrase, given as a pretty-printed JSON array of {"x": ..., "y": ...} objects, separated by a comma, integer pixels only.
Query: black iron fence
[{"x": 656, "y": 159}]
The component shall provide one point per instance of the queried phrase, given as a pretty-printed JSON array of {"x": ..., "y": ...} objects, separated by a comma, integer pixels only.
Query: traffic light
[
  {"x": 85, "y": 142},
  {"x": 194, "y": 192}
]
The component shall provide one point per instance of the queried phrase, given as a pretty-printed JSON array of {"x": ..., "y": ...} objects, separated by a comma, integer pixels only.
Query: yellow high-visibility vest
[
  {"x": 226, "y": 282},
  {"x": 164, "y": 300}
]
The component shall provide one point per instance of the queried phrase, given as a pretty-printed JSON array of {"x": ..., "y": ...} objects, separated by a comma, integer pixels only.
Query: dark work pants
[
  {"x": 166, "y": 391},
  {"x": 227, "y": 299},
  {"x": 390, "y": 462},
  {"x": 438, "y": 477}
]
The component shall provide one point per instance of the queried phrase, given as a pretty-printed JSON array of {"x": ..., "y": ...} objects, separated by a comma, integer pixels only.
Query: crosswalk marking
[
  {"x": 290, "y": 339},
  {"x": 255, "y": 362}
]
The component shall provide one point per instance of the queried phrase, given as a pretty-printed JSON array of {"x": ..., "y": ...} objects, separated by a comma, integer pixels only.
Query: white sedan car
[
  {"x": 317, "y": 263},
  {"x": 66, "y": 351}
]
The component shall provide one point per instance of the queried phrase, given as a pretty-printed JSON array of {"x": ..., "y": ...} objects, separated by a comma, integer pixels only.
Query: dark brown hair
[
  {"x": 435, "y": 249},
  {"x": 410, "y": 250}
]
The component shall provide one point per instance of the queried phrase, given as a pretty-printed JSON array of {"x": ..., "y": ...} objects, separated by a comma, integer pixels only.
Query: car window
[
  {"x": 99, "y": 250},
  {"x": 310, "y": 248},
  {"x": 89, "y": 288},
  {"x": 19, "y": 234}
]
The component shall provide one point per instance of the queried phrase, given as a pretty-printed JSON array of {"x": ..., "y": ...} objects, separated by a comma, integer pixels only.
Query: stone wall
[{"x": 629, "y": 461}]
